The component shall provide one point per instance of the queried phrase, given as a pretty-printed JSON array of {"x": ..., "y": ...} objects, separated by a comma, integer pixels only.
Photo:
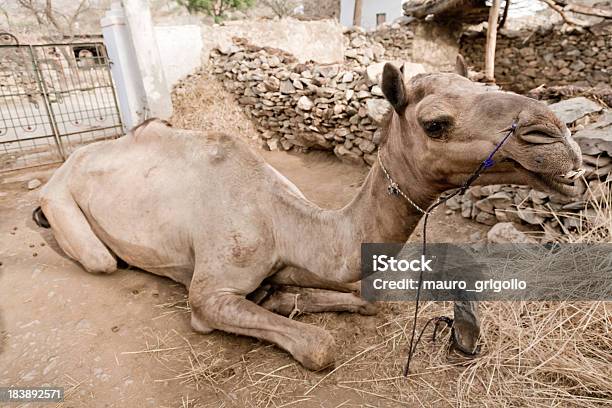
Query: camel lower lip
[{"x": 558, "y": 183}]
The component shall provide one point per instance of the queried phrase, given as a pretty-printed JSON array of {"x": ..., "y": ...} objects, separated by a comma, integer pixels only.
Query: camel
[{"x": 203, "y": 209}]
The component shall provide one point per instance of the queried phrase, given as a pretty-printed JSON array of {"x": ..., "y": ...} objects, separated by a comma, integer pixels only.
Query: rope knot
[{"x": 393, "y": 189}]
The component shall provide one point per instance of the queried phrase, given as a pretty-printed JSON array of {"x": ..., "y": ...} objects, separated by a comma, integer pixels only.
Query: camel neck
[
  {"x": 372, "y": 216},
  {"x": 382, "y": 217},
  {"x": 378, "y": 216}
]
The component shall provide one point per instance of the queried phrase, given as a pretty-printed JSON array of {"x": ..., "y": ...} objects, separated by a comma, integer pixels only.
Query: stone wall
[
  {"x": 528, "y": 60},
  {"x": 396, "y": 39},
  {"x": 319, "y": 106}
]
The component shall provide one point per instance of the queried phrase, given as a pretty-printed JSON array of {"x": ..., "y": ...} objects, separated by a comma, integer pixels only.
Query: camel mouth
[
  {"x": 569, "y": 184},
  {"x": 561, "y": 184}
]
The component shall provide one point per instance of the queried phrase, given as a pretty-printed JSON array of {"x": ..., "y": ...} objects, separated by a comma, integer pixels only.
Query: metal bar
[
  {"x": 26, "y": 139},
  {"x": 67, "y": 91},
  {"x": 45, "y": 95},
  {"x": 92, "y": 130},
  {"x": 29, "y": 166},
  {"x": 76, "y": 44}
]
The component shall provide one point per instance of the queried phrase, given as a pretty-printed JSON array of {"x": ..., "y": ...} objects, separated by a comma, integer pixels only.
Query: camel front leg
[
  {"x": 287, "y": 300},
  {"x": 217, "y": 309},
  {"x": 466, "y": 327}
]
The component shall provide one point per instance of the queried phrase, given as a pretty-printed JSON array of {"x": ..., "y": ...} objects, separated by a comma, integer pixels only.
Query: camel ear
[
  {"x": 393, "y": 87},
  {"x": 460, "y": 66}
]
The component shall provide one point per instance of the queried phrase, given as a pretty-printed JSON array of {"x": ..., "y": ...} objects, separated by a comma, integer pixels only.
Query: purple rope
[{"x": 488, "y": 162}]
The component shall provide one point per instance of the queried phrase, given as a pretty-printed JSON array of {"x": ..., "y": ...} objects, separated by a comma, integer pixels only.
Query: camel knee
[
  {"x": 74, "y": 234},
  {"x": 198, "y": 324},
  {"x": 207, "y": 312}
]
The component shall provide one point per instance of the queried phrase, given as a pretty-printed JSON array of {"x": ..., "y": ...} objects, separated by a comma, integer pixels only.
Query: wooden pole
[
  {"x": 491, "y": 40},
  {"x": 357, "y": 13}
]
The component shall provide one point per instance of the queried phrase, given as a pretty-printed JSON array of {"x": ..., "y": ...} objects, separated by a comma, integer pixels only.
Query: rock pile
[
  {"x": 592, "y": 129},
  {"x": 306, "y": 105},
  {"x": 525, "y": 60},
  {"x": 360, "y": 49},
  {"x": 490, "y": 205},
  {"x": 396, "y": 40}
]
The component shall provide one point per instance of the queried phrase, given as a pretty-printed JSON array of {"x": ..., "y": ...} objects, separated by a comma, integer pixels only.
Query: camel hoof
[
  {"x": 368, "y": 309},
  {"x": 319, "y": 352},
  {"x": 466, "y": 328},
  {"x": 465, "y": 337}
]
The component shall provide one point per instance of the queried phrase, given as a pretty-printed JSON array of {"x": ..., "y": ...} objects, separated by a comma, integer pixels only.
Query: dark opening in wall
[{"x": 89, "y": 55}]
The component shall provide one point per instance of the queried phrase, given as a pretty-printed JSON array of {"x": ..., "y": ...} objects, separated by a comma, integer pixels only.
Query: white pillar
[
  {"x": 124, "y": 67},
  {"x": 141, "y": 28}
]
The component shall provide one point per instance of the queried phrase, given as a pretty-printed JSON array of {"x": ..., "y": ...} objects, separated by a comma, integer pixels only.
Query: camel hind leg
[{"x": 74, "y": 234}]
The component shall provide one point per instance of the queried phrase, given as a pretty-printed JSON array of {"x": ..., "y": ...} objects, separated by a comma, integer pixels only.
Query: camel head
[{"x": 443, "y": 126}]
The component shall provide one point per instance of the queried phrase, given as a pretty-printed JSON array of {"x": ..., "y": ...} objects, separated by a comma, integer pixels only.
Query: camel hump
[{"x": 152, "y": 125}]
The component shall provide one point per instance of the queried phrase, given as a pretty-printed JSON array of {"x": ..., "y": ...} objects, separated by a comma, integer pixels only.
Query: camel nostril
[{"x": 539, "y": 160}]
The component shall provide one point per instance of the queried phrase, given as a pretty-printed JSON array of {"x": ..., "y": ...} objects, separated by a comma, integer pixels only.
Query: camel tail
[{"x": 39, "y": 218}]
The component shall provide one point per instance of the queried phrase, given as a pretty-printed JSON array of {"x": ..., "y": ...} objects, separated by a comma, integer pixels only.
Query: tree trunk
[
  {"x": 357, "y": 13},
  {"x": 491, "y": 40}
]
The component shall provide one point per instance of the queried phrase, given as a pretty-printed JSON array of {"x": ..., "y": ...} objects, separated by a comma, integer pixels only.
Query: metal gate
[{"x": 53, "y": 98}]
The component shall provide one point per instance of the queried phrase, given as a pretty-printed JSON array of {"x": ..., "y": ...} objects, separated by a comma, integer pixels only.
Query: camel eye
[{"x": 434, "y": 128}]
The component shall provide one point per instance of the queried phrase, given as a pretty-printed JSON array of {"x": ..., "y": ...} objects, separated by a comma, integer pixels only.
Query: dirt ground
[{"x": 91, "y": 334}]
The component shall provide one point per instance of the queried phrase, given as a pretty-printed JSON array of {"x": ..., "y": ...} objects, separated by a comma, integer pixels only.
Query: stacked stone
[
  {"x": 490, "y": 205},
  {"x": 332, "y": 107},
  {"x": 592, "y": 130},
  {"x": 525, "y": 60},
  {"x": 360, "y": 48},
  {"x": 396, "y": 40}
]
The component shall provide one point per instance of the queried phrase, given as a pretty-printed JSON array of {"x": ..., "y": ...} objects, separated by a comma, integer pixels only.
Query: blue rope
[{"x": 488, "y": 162}]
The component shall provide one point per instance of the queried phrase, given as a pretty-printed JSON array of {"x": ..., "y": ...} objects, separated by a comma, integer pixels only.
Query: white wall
[
  {"x": 180, "y": 50},
  {"x": 393, "y": 9}
]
